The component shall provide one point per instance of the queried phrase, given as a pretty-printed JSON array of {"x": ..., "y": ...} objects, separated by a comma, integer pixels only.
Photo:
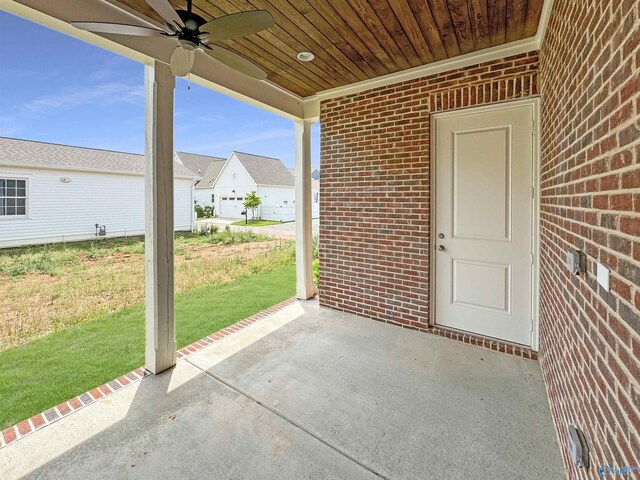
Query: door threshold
[{"x": 484, "y": 342}]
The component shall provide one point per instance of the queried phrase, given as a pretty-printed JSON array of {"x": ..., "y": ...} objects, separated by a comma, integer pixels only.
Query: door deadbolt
[{"x": 441, "y": 235}]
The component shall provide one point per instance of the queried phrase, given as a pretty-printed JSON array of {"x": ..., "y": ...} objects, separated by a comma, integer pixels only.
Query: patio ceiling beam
[
  {"x": 160, "y": 350},
  {"x": 304, "y": 231}
]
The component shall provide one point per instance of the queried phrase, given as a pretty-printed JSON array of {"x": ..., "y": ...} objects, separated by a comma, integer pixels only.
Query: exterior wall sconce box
[
  {"x": 578, "y": 449},
  {"x": 576, "y": 261}
]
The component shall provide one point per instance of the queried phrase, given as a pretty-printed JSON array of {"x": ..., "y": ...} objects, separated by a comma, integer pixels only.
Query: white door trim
[{"x": 535, "y": 271}]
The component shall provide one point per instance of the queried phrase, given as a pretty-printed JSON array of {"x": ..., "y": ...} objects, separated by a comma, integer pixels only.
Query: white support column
[
  {"x": 304, "y": 231},
  {"x": 160, "y": 352}
]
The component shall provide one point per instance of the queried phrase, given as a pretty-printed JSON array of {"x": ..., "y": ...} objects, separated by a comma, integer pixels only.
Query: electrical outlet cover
[{"x": 602, "y": 275}]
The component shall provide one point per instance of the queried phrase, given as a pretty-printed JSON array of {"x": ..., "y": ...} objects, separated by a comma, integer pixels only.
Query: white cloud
[
  {"x": 17, "y": 118},
  {"x": 103, "y": 94},
  {"x": 112, "y": 67},
  {"x": 236, "y": 140},
  {"x": 18, "y": 73}
]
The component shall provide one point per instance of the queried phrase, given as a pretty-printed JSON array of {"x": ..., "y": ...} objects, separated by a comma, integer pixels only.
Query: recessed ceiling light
[{"x": 306, "y": 56}]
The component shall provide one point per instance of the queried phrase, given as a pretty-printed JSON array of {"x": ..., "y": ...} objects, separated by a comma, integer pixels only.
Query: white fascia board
[
  {"x": 206, "y": 72},
  {"x": 311, "y": 109}
]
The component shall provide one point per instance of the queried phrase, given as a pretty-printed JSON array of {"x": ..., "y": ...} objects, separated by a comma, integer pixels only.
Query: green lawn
[
  {"x": 62, "y": 365},
  {"x": 256, "y": 223}
]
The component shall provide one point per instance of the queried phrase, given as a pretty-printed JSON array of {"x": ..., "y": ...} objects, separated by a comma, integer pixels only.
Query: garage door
[{"x": 231, "y": 207}]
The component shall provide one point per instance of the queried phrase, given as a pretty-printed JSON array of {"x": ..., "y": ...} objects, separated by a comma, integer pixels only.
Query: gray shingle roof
[
  {"x": 28, "y": 153},
  {"x": 266, "y": 170},
  {"x": 198, "y": 164},
  {"x": 211, "y": 173}
]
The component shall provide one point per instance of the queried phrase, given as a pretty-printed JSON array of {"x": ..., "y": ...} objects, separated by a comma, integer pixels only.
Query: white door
[
  {"x": 484, "y": 221},
  {"x": 231, "y": 207}
]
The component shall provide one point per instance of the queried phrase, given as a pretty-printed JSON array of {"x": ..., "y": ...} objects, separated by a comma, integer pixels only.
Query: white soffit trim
[
  {"x": 210, "y": 74},
  {"x": 311, "y": 103},
  {"x": 545, "y": 15}
]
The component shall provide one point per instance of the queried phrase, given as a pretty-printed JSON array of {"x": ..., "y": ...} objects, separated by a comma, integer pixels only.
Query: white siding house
[
  {"x": 225, "y": 186},
  {"x": 52, "y": 193},
  {"x": 206, "y": 168}
]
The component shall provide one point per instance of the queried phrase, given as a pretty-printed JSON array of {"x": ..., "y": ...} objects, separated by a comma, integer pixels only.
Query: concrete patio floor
[{"x": 311, "y": 393}]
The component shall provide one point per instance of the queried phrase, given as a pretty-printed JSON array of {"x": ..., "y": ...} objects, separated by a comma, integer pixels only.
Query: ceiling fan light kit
[
  {"x": 182, "y": 61},
  {"x": 194, "y": 33}
]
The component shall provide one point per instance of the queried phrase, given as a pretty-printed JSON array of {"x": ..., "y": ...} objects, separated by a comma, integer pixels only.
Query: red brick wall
[
  {"x": 590, "y": 179},
  {"x": 374, "y": 214}
]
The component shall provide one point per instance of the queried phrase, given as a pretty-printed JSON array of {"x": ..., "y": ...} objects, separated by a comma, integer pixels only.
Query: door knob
[{"x": 441, "y": 248}]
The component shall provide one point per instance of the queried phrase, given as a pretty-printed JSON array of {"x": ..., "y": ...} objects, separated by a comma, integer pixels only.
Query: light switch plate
[{"x": 602, "y": 275}]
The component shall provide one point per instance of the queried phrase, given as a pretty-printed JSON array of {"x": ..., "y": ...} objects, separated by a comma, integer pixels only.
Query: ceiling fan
[{"x": 193, "y": 32}]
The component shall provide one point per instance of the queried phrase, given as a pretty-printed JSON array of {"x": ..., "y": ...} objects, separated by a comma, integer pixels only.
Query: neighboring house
[
  {"x": 204, "y": 194},
  {"x": 198, "y": 164},
  {"x": 53, "y": 193},
  {"x": 225, "y": 186}
]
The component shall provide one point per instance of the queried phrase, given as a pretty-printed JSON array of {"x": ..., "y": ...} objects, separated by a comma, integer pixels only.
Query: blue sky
[{"x": 55, "y": 88}]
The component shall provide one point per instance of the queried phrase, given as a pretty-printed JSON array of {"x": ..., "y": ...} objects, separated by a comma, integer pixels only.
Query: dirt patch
[
  {"x": 35, "y": 304},
  {"x": 118, "y": 257},
  {"x": 245, "y": 250}
]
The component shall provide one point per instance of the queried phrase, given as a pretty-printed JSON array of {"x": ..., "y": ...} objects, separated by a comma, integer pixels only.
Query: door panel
[
  {"x": 484, "y": 206},
  {"x": 482, "y": 285},
  {"x": 481, "y": 184}
]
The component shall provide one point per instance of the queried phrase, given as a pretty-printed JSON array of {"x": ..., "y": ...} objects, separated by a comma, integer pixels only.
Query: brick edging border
[
  {"x": 465, "y": 337},
  {"x": 484, "y": 342},
  {"x": 53, "y": 414}
]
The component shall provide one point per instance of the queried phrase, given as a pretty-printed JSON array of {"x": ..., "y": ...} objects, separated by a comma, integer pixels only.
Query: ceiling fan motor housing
[
  {"x": 188, "y": 37},
  {"x": 185, "y": 26}
]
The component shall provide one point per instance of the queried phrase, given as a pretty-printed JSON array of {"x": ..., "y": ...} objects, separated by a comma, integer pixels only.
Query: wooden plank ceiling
[{"x": 355, "y": 40}]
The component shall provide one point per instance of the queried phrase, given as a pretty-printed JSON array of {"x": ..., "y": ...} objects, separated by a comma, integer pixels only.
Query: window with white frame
[{"x": 13, "y": 197}]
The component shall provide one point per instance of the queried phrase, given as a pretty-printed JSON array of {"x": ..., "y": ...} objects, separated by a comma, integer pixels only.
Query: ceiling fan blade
[
  {"x": 182, "y": 61},
  {"x": 99, "y": 27},
  {"x": 235, "y": 61},
  {"x": 238, "y": 25},
  {"x": 166, "y": 11}
]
